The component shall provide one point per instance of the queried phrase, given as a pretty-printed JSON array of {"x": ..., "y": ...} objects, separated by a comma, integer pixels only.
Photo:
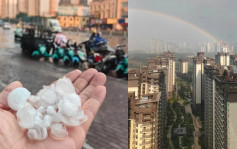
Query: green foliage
[
  {"x": 175, "y": 140},
  {"x": 177, "y": 104},
  {"x": 201, "y": 141},
  {"x": 187, "y": 141}
]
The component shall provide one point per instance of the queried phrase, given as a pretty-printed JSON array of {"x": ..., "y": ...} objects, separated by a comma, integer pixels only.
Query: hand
[{"x": 89, "y": 85}]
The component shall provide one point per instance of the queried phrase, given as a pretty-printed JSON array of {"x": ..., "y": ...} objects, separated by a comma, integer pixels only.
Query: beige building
[
  {"x": 22, "y": 6},
  {"x": 133, "y": 82},
  {"x": 147, "y": 89},
  {"x": 223, "y": 58},
  {"x": 183, "y": 66},
  {"x": 75, "y": 2},
  {"x": 54, "y": 4},
  {"x": 32, "y": 7},
  {"x": 122, "y": 9},
  {"x": 198, "y": 70},
  {"x": 103, "y": 9},
  {"x": 109, "y": 9},
  {"x": 8, "y": 8},
  {"x": 0, "y": 9},
  {"x": 143, "y": 121},
  {"x": 166, "y": 60},
  {"x": 42, "y": 7},
  {"x": 4, "y": 8}
]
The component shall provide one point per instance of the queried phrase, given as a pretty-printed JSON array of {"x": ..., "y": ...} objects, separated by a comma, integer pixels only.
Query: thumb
[{"x": 4, "y": 94}]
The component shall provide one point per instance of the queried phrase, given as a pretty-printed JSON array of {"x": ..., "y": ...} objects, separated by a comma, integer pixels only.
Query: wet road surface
[{"x": 109, "y": 129}]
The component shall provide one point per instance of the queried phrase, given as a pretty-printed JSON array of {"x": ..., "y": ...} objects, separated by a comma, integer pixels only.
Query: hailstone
[{"x": 52, "y": 109}]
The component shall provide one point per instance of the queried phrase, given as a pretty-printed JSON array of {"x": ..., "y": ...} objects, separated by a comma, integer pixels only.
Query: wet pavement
[{"x": 108, "y": 131}]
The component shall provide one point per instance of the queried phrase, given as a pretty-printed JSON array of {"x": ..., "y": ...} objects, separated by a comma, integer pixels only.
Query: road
[
  {"x": 108, "y": 131},
  {"x": 196, "y": 122}
]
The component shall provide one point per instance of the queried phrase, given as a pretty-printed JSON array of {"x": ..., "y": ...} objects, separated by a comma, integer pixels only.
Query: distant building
[
  {"x": 31, "y": 7},
  {"x": 8, "y": 8},
  {"x": 147, "y": 116},
  {"x": 233, "y": 59},
  {"x": 198, "y": 70},
  {"x": 109, "y": 13},
  {"x": 183, "y": 66},
  {"x": 133, "y": 82},
  {"x": 148, "y": 95},
  {"x": 1, "y": 8},
  {"x": 21, "y": 6},
  {"x": 165, "y": 60},
  {"x": 154, "y": 45},
  {"x": 73, "y": 16},
  {"x": 223, "y": 58},
  {"x": 54, "y": 5},
  {"x": 44, "y": 8},
  {"x": 157, "y": 78}
]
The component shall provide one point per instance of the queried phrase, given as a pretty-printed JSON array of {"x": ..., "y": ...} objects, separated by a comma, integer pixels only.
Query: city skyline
[{"x": 180, "y": 22}]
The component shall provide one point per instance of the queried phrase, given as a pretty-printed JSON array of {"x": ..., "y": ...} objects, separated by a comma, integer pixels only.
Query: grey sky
[{"x": 218, "y": 17}]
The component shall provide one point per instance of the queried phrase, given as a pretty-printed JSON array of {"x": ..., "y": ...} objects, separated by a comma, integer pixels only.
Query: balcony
[
  {"x": 147, "y": 118},
  {"x": 146, "y": 130},
  {"x": 146, "y": 136}
]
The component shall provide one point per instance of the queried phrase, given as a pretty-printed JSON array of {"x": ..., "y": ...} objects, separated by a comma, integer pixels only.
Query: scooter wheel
[
  {"x": 66, "y": 63},
  {"x": 120, "y": 74},
  {"x": 36, "y": 57},
  {"x": 106, "y": 68},
  {"x": 75, "y": 64},
  {"x": 55, "y": 61}
]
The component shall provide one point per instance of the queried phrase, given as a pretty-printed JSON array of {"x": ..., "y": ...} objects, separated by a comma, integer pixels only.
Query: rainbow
[{"x": 176, "y": 19}]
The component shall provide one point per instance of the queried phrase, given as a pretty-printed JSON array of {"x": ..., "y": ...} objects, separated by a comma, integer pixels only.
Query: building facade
[
  {"x": 166, "y": 60},
  {"x": 149, "y": 80},
  {"x": 209, "y": 103},
  {"x": 198, "y": 70},
  {"x": 0, "y": 9},
  {"x": 223, "y": 58},
  {"x": 183, "y": 66},
  {"x": 225, "y": 113},
  {"x": 143, "y": 119},
  {"x": 8, "y": 9},
  {"x": 109, "y": 13},
  {"x": 220, "y": 107},
  {"x": 44, "y": 8},
  {"x": 133, "y": 82},
  {"x": 32, "y": 8},
  {"x": 21, "y": 6}
]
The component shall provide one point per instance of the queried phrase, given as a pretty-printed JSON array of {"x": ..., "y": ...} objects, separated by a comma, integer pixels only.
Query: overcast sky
[{"x": 181, "y": 20}]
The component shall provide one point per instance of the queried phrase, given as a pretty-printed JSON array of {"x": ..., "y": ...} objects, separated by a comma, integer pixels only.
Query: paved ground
[{"x": 109, "y": 130}]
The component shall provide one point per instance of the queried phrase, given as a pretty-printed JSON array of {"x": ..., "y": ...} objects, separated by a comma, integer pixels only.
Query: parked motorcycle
[
  {"x": 79, "y": 56},
  {"x": 122, "y": 68},
  {"x": 41, "y": 50},
  {"x": 69, "y": 53},
  {"x": 113, "y": 59},
  {"x": 58, "y": 53}
]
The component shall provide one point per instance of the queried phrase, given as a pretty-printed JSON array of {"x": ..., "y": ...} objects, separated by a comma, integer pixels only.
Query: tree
[{"x": 23, "y": 16}]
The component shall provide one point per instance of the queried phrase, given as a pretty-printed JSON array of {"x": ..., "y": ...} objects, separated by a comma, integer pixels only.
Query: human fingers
[{"x": 4, "y": 94}]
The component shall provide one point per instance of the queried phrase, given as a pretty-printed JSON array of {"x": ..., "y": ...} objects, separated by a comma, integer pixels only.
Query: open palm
[{"x": 89, "y": 85}]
